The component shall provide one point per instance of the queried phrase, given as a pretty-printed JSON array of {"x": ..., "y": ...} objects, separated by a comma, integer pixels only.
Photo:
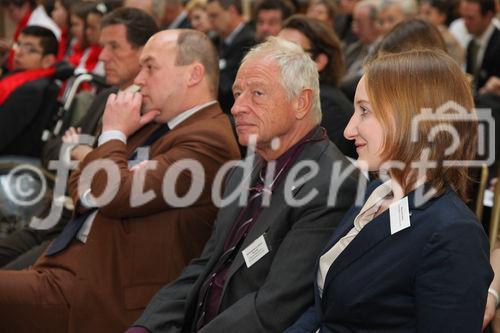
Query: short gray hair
[{"x": 298, "y": 70}]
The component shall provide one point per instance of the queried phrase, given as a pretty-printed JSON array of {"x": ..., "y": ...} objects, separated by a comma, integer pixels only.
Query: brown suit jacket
[{"x": 132, "y": 251}]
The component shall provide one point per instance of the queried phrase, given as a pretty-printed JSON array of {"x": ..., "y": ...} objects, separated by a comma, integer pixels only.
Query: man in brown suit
[{"x": 119, "y": 249}]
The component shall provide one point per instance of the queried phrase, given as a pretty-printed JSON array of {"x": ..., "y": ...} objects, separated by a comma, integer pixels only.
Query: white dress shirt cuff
[{"x": 111, "y": 135}]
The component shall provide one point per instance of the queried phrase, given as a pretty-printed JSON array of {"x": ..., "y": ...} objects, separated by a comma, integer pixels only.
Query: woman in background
[
  {"x": 323, "y": 10},
  {"x": 413, "y": 258},
  {"x": 79, "y": 43},
  {"x": 198, "y": 16},
  {"x": 61, "y": 16}
]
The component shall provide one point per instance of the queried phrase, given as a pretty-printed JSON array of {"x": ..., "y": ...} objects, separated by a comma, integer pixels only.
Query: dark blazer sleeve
[
  {"x": 19, "y": 109},
  {"x": 451, "y": 283},
  {"x": 307, "y": 323}
]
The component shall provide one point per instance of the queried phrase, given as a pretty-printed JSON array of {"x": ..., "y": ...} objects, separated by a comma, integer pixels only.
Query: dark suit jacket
[
  {"x": 88, "y": 124},
  {"x": 230, "y": 57},
  {"x": 337, "y": 111},
  {"x": 24, "y": 115},
  {"x": 491, "y": 60},
  {"x": 132, "y": 251},
  {"x": 268, "y": 296},
  {"x": 431, "y": 277}
]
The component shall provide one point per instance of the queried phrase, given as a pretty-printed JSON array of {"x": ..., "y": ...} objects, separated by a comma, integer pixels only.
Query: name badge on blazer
[
  {"x": 400, "y": 215},
  {"x": 255, "y": 251},
  {"x": 222, "y": 63}
]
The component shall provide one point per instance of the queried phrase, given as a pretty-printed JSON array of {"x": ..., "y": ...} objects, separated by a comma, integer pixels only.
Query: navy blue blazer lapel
[{"x": 371, "y": 235}]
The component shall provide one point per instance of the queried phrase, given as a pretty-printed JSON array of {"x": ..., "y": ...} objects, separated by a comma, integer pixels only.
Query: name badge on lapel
[
  {"x": 255, "y": 251},
  {"x": 400, "y": 215}
]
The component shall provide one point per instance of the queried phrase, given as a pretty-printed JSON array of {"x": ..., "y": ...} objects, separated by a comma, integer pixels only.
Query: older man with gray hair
[{"x": 254, "y": 274}]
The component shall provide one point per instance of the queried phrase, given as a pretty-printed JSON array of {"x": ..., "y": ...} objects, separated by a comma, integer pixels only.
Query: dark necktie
[{"x": 71, "y": 229}]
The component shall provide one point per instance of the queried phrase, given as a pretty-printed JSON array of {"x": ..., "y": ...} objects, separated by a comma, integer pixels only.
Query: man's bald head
[{"x": 192, "y": 46}]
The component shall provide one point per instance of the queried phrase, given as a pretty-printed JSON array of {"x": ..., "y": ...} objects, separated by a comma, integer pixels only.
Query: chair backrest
[
  {"x": 483, "y": 182},
  {"x": 495, "y": 215},
  {"x": 71, "y": 102},
  {"x": 31, "y": 118}
]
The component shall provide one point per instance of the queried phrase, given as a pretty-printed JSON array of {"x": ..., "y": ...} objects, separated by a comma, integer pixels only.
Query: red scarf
[
  {"x": 95, "y": 51},
  {"x": 20, "y": 26},
  {"x": 76, "y": 54},
  {"x": 92, "y": 59},
  {"x": 15, "y": 80},
  {"x": 63, "y": 44}
]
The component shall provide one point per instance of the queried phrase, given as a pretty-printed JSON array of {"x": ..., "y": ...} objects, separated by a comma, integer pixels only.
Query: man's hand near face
[{"x": 123, "y": 113}]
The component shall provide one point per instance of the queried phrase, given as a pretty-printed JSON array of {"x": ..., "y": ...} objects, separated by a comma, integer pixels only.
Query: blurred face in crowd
[
  {"x": 120, "y": 58},
  {"x": 16, "y": 13},
  {"x": 170, "y": 13},
  {"x": 77, "y": 27},
  {"x": 365, "y": 130},
  {"x": 199, "y": 20},
  {"x": 60, "y": 15},
  {"x": 347, "y": 6},
  {"x": 261, "y": 105},
  {"x": 220, "y": 18},
  {"x": 93, "y": 31},
  {"x": 297, "y": 37},
  {"x": 431, "y": 14},
  {"x": 157, "y": 63},
  {"x": 364, "y": 26},
  {"x": 28, "y": 54},
  {"x": 144, "y": 5},
  {"x": 389, "y": 16},
  {"x": 269, "y": 23},
  {"x": 475, "y": 22},
  {"x": 319, "y": 12}
]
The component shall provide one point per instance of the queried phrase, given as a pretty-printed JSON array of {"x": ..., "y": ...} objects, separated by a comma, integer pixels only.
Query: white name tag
[
  {"x": 400, "y": 215},
  {"x": 255, "y": 251}
]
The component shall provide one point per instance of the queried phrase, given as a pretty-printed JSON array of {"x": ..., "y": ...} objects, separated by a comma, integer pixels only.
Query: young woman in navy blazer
[{"x": 425, "y": 268}]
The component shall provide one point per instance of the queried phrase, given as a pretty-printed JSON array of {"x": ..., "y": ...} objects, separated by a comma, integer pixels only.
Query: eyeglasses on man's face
[{"x": 26, "y": 48}]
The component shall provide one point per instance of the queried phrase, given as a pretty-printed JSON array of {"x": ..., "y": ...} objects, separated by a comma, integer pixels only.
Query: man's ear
[
  {"x": 48, "y": 61},
  {"x": 321, "y": 61},
  {"x": 196, "y": 74},
  {"x": 303, "y": 103}
]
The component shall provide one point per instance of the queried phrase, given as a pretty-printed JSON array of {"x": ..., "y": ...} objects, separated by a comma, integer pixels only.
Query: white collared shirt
[{"x": 117, "y": 135}]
